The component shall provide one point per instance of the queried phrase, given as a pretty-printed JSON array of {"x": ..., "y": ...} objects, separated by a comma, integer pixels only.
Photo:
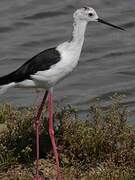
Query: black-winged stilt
[{"x": 49, "y": 67}]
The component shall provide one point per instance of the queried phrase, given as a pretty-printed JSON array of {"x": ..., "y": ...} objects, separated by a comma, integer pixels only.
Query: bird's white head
[
  {"x": 89, "y": 14},
  {"x": 85, "y": 14}
]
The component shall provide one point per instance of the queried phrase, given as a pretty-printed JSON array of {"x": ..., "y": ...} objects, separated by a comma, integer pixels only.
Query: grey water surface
[{"x": 107, "y": 62}]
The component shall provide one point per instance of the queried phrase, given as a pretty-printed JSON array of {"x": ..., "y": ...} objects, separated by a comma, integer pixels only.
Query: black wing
[{"x": 40, "y": 62}]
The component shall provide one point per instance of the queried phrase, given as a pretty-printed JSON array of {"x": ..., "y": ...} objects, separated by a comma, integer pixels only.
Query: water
[{"x": 107, "y": 63}]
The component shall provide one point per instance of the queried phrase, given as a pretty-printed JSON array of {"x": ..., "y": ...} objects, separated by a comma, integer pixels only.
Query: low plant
[{"x": 101, "y": 146}]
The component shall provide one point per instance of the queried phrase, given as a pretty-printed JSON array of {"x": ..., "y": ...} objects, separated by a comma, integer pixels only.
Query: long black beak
[{"x": 109, "y": 24}]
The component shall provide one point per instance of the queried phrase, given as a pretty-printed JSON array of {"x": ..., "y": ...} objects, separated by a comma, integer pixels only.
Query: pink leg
[
  {"x": 37, "y": 126},
  {"x": 51, "y": 132}
]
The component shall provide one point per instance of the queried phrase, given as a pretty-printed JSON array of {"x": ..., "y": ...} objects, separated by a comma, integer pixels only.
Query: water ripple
[
  {"x": 106, "y": 64},
  {"x": 6, "y": 29},
  {"x": 43, "y": 15}
]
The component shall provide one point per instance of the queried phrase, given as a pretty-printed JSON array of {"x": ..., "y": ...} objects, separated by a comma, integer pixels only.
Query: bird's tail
[
  {"x": 4, "y": 88},
  {"x": 6, "y": 82}
]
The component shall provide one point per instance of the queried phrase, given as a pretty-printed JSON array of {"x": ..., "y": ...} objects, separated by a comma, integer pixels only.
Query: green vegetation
[{"x": 99, "y": 147}]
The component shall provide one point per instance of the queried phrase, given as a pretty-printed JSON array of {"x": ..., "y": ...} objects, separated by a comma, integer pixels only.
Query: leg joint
[{"x": 51, "y": 131}]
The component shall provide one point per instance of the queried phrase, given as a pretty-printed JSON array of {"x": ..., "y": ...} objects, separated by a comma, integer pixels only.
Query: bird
[{"x": 49, "y": 67}]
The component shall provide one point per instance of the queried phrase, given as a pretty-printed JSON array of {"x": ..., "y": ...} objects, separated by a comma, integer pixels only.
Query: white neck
[
  {"x": 79, "y": 31},
  {"x": 74, "y": 47}
]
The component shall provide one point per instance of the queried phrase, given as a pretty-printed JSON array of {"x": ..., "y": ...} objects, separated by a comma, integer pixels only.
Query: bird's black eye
[{"x": 90, "y": 14}]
